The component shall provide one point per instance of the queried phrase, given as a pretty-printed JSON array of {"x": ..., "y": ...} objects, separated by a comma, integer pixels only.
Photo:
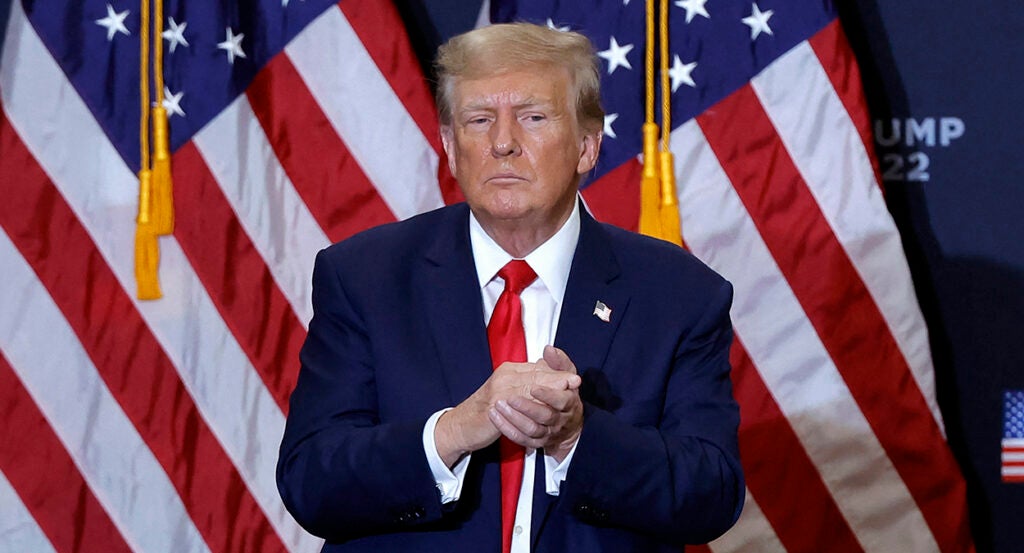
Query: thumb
[{"x": 558, "y": 360}]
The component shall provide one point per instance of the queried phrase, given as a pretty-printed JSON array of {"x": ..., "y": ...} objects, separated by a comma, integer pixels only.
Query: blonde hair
[{"x": 505, "y": 47}]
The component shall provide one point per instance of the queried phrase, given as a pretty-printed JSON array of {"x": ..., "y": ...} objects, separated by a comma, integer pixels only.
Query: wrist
[{"x": 448, "y": 448}]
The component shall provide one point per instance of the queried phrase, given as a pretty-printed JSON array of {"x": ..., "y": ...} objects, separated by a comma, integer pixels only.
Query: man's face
[{"x": 517, "y": 150}]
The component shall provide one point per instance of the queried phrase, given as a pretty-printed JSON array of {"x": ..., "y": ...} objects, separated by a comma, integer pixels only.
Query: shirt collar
[{"x": 551, "y": 260}]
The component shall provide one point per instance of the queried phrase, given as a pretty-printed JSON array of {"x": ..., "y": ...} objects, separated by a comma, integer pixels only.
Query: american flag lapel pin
[{"x": 602, "y": 311}]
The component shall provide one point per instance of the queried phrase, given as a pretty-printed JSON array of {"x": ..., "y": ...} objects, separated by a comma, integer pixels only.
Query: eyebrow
[{"x": 525, "y": 103}]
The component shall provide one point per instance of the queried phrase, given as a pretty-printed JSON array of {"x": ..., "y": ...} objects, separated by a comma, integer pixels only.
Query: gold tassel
[
  {"x": 163, "y": 198},
  {"x": 669, "y": 209},
  {"x": 147, "y": 251},
  {"x": 650, "y": 220}
]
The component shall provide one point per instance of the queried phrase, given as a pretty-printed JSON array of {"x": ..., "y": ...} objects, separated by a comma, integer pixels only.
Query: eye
[{"x": 535, "y": 117}]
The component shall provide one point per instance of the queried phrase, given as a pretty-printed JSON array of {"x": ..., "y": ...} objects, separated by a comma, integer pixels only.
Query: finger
[
  {"x": 528, "y": 426},
  {"x": 538, "y": 412},
  {"x": 558, "y": 380},
  {"x": 511, "y": 431},
  {"x": 558, "y": 359},
  {"x": 559, "y": 400}
]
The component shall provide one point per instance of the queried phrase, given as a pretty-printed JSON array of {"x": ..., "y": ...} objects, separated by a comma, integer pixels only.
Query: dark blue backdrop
[{"x": 943, "y": 83}]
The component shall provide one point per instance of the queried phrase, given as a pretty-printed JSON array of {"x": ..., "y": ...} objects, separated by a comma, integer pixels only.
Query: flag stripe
[
  {"x": 19, "y": 531},
  {"x": 751, "y": 533},
  {"x": 235, "y": 276},
  {"x": 839, "y": 177},
  {"x": 393, "y": 55},
  {"x": 372, "y": 121},
  {"x": 773, "y": 459},
  {"x": 319, "y": 164},
  {"x": 782, "y": 207},
  {"x": 104, "y": 319},
  {"x": 50, "y": 485},
  {"x": 840, "y": 65},
  {"x": 265, "y": 204},
  {"x": 789, "y": 355},
  {"x": 215, "y": 371},
  {"x": 615, "y": 197},
  {"x": 122, "y": 472}
]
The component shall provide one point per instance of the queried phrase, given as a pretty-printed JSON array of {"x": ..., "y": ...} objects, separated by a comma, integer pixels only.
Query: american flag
[
  {"x": 154, "y": 426},
  {"x": 1013, "y": 436},
  {"x": 841, "y": 438}
]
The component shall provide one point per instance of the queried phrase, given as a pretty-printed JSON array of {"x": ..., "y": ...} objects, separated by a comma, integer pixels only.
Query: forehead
[{"x": 525, "y": 85}]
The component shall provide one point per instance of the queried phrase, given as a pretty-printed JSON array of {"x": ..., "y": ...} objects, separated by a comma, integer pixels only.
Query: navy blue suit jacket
[{"x": 398, "y": 333}]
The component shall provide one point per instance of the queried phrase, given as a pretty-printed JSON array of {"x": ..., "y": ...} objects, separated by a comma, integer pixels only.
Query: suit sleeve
[
  {"x": 681, "y": 479},
  {"x": 341, "y": 472}
]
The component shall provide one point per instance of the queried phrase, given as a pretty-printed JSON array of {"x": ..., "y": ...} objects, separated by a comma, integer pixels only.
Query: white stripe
[
  {"x": 790, "y": 357},
  {"x": 828, "y": 151},
  {"x": 243, "y": 162},
  {"x": 18, "y": 530},
  {"x": 366, "y": 113},
  {"x": 1013, "y": 457},
  {"x": 752, "y": 532},
  {"x": 1013, "y": 442},
  {"x": 122, "y": 472},
  {"x": 1013, "y": 471},
  {"x": 102, "y": 191}
]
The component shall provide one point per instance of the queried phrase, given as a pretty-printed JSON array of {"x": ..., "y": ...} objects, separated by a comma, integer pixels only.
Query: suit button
[{"x": 583, "y": 510}]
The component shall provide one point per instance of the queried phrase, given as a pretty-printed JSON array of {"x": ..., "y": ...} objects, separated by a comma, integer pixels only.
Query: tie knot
[{"x": 517, "y": 275}]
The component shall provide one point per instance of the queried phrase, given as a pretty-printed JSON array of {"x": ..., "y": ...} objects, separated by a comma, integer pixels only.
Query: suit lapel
[
  {"x": 584, "y": 336},
  {"x": 451, "y": 297}
]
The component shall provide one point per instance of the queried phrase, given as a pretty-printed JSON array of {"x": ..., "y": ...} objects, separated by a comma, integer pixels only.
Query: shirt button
[{"x": 518, "y": 530}]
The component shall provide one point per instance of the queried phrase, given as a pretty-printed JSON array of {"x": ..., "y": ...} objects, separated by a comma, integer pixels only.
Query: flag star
[
  {"x": 175, "y": 34},
  {"x": 616, "y": 56},
  {"x": 113, "y": 22},
  {"x": 172, "y": 102},
  {"x": 608, "y": 120},
  {"x": 681, "y": 73},
  {"x": 551, "y": 25},
  {"x": 232, "y": 45},
  {"x": 694, "y": 8},
  {"x": 758, "y": 22}
]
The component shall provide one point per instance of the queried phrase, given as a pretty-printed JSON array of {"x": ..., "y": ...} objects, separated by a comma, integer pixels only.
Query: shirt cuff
[
  {"x": 554, "y": 472},
  {"x": 449, "y": 481}
]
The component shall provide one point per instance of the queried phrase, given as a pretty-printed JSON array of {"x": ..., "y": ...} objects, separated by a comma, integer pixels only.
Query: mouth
[{"x": 505, "y": 179}]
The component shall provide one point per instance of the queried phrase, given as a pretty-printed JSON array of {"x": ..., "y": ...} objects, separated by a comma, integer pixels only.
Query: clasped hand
[{"x": 532, "y": 404}]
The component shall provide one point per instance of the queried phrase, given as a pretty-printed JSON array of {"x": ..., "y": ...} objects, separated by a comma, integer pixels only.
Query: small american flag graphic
[{"x": 1013, "y": 436}]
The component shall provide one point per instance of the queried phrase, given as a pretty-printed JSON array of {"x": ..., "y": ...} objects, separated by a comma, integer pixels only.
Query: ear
[
  {"x": 590, "y": 148},
  {"x": 448, "y": 142}
]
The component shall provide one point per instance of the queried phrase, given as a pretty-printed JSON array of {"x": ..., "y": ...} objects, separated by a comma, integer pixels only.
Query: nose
[{"x": 504, "y": 137}]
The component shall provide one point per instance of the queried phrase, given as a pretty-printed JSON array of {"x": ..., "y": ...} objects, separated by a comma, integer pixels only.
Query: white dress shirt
[{"x": 542, "y": 302}]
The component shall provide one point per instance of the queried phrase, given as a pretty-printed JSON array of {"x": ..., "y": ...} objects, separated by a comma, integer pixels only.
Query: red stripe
[
  {"x": 841, "y": 309},
  {"x": 615, "y": 197},
  {"x": 46, "y": 478},
  {"x": 781, "y": 477},
  {"x": 326, "y": 176},
  {"x": 128, "y": 357},
  {"x": 836, "y": 57},
  {"x": 236, "y": 276},
  {"x": 379, "y": 27}
]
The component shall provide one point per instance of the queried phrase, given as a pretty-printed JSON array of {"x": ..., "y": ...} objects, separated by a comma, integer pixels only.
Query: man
[{"x": 417, "y": 423}]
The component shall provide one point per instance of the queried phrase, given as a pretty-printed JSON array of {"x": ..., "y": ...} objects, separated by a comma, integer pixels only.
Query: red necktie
[{"x": 508, "y": 343}]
